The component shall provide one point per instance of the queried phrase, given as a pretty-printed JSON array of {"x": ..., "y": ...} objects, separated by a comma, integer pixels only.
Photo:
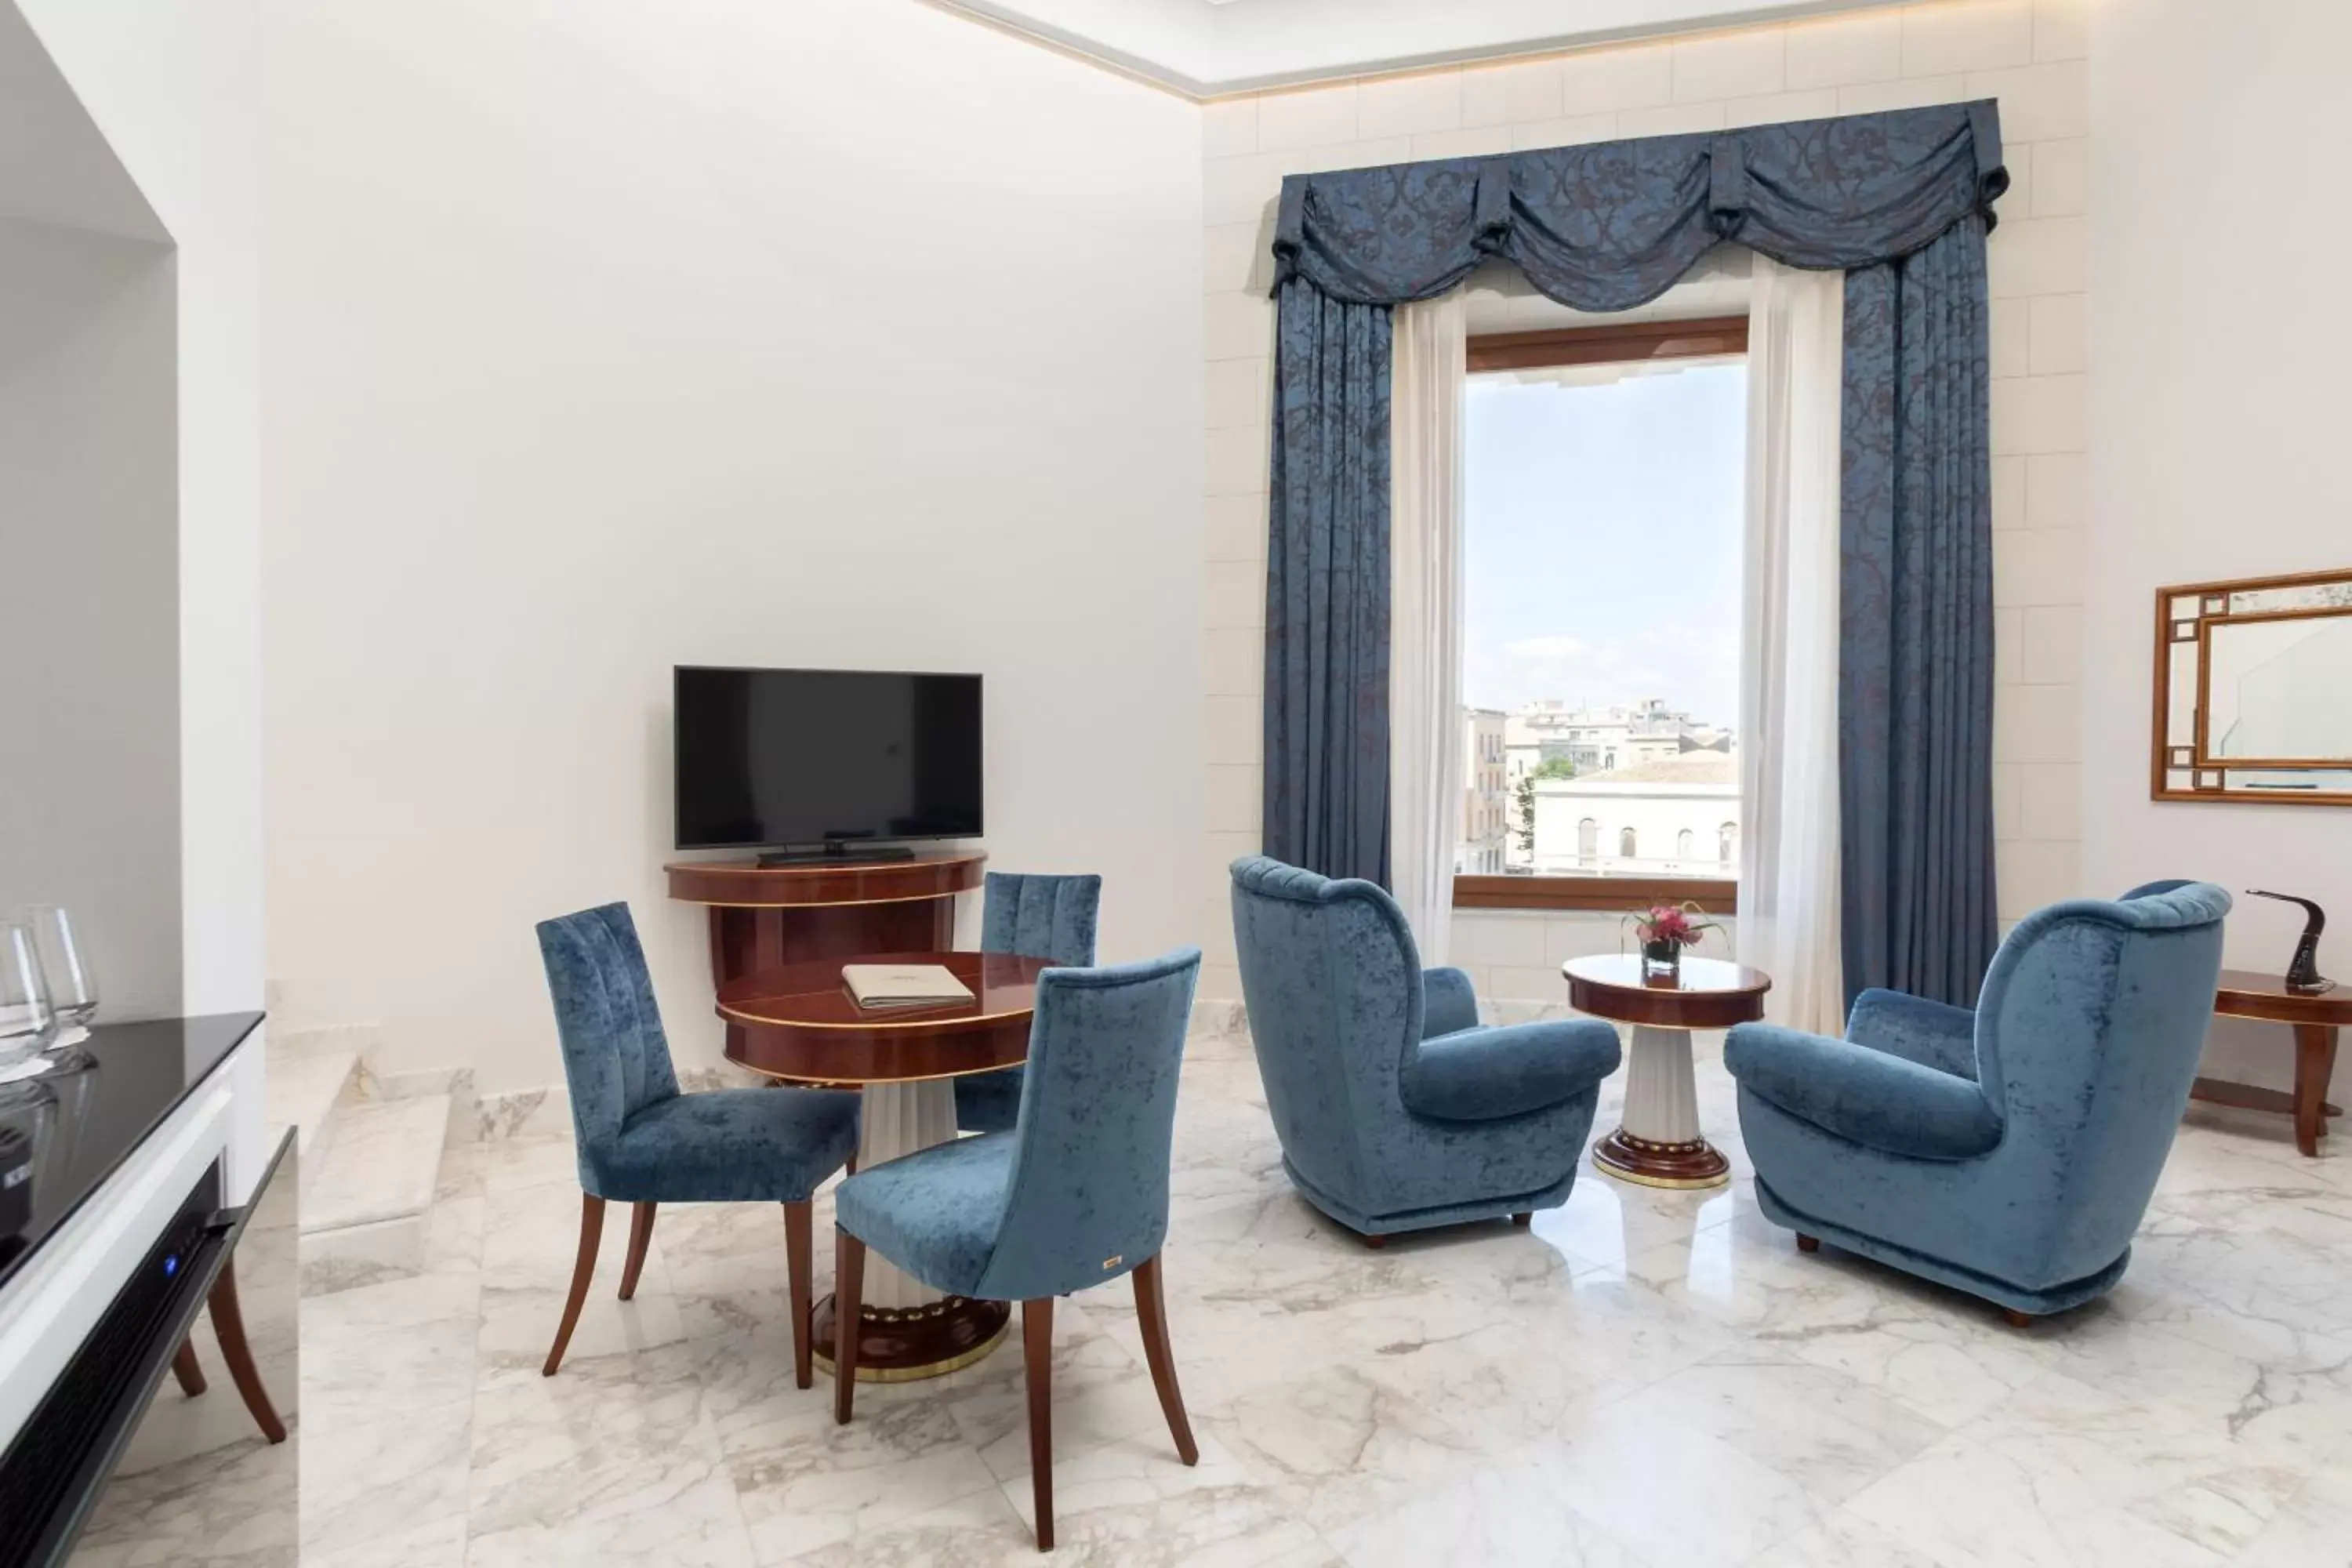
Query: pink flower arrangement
[{"x": 1672, "y": 925}]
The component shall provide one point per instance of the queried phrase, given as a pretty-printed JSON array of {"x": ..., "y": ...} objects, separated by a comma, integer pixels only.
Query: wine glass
[
  {"x": 28, "y": 1022},
  {"x": 72, "y": 990}
]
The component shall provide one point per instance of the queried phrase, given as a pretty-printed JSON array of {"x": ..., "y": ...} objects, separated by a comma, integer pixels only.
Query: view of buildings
[{"x": 1638, "y": 789}]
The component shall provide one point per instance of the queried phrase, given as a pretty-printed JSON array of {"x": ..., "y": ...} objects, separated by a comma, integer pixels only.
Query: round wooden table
[
  {"x": 799, "y": 1022},
  {"x": 1658, "y": 1144}
]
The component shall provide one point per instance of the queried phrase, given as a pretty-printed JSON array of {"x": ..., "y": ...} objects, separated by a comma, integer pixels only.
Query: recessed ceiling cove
[{"x": 1213, "y": 48}]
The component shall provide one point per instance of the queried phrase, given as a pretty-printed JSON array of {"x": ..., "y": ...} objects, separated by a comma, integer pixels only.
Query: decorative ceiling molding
[{"x": 1205, "y": 50}]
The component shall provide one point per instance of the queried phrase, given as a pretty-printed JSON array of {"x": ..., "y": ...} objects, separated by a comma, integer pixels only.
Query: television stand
[{"x": 838, "y": 855}]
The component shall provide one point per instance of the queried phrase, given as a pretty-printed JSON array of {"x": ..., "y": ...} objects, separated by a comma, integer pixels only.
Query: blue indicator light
[{"x": 171, "y": 1267}]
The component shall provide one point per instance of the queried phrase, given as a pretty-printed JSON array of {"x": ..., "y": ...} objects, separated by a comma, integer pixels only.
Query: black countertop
[{"x": 86, "y": 1117}]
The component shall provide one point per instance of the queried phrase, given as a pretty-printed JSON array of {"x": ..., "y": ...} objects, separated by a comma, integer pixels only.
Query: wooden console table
[
  {"x": 763, "y": 917},
  {"x": 2244, "y": 993}
]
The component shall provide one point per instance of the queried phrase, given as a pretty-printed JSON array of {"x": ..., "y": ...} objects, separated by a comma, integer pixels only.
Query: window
[{"x": 1605, "y": 485}]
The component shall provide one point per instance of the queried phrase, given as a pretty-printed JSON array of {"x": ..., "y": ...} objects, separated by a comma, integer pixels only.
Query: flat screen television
[{"x": 841, "y": 760}]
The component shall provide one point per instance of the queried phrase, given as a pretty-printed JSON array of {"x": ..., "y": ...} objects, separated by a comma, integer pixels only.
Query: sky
[{"x": 1602, "y": 540}]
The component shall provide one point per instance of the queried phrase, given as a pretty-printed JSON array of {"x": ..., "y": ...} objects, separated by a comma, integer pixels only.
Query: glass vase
[{"x": 1662, "y": 962}]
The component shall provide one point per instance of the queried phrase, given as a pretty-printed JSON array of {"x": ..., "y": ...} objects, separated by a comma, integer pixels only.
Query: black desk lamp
[{"x": 2303, "y": 971}]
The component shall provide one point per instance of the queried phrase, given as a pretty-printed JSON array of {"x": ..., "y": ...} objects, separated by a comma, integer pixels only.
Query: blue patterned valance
[{"x": 1611, "y": 224}]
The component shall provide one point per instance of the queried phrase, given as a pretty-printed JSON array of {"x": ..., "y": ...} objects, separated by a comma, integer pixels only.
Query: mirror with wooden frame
[{"x": 2253, "y": 690}]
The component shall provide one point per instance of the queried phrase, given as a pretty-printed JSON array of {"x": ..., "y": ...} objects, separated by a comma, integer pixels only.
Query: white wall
[
  {"x": 173, "y": 86},
  {"x": 90, "y": 590},
  {"x": 2217, "y": 421},
  {"x": 2028, "y": 54},
  {"x": 608, "y": 336}
]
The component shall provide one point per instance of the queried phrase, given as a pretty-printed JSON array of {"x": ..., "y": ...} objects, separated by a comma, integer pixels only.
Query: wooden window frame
[
  {"x": 1707, "y": 337},
  {"x": 1717, "y": 895}
]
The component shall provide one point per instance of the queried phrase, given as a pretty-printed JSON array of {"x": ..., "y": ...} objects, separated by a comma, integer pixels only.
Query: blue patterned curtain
[
  {"x": 1326, "y": 589},
  {"x": 1902, "y": 201},
  {"x": 1915, "y": 687}
]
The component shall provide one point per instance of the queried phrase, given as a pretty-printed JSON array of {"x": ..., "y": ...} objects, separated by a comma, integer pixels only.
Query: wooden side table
[
  {"x": 1659, "y": 1143},
  {"x": 2246, "y": 994}
]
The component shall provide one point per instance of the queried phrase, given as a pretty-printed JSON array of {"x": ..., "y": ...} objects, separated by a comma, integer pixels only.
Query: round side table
[
  {"x": 798, "y": 1021},
  {"x": 1659, "y": 1143}
]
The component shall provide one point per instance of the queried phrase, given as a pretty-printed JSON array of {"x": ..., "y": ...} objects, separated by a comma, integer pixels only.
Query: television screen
[{"x": 778, "y": 757}]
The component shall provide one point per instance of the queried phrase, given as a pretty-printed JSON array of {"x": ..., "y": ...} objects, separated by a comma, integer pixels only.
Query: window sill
[{"x": 1615, "y": 895}]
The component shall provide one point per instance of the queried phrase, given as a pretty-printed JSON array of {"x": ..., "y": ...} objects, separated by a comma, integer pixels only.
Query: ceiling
[{"x": 1213, "y": 48}]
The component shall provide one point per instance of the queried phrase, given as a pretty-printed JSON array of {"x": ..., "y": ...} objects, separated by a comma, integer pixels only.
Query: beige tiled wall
[{"x": 2029, "y": 54}]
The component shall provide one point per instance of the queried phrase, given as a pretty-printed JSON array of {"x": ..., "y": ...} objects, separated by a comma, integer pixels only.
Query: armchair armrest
[
  {"x": 1862, "y": 1095},
  {"x": 1932, "y": 1034},
  {"x": 1447, "y": 1002},
  {"x": 1482, "y": 1074}
]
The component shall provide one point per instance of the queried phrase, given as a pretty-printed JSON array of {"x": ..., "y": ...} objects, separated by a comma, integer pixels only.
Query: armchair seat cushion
[
  {"x": 730, "y": 1145},
  {"x": 1484, "y": 1075},
  {"x": 1864, "y": 1096},
  {"x": 935, "y": 1213}
]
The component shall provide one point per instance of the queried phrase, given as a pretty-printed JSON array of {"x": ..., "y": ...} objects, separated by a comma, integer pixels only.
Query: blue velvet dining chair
[
  {"x": 640, "y": 1141},
  {"x": 1396, "y": 1111},
  {"x": 1028, "y": 917},
  {"x": 2009, "y": 1151},
  {"x": 1076, "y": 1195}
]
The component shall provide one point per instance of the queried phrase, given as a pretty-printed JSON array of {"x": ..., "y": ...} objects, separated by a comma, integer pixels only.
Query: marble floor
[{"x": 1647, "y": 1378}]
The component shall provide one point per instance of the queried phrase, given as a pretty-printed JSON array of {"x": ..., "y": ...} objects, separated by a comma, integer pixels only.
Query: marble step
[
  {"x": 365, "y": 1213},
  {"x": 303, "y": 1090}
]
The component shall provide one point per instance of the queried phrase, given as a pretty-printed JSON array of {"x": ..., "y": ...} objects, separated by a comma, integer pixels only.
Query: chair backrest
[
  {"x": 1088, "y": 1197},
  {"x": 2088, "y": 1032},
  {"x": 615, "y": 1056},
  {"x": 1041, "y": 917},
  {"x": 1333, "y": 984}
]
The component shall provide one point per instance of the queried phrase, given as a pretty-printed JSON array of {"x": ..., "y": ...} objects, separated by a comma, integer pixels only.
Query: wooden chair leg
[
  {"x": 1376, "y": 1242},
  {"x": 2314, "y": 1063},
  {"x": 1152, "y": 1317},
  {"x": 229, "y": 1327},
  {"x": 848, "y": 1300},
  {"x": 2015, "y": 1319},
  {"x": 1808, "y": 1243},
  {"x": 185, "y": 1369},
  {"x": 1037, "y": 1353},
  {"x": 583, "y": 1269},
  {"x": 1524, "y": 1219},
  {"x": 797, "y": 1246},
  {"x": 641, "y": 1236}
]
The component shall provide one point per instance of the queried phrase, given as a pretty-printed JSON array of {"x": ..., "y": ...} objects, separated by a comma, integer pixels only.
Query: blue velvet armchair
[
  {"x": 1029, "y": 917},
  {"x": 2009, "y": 1151},
  {"x": 1076, "y": 1195},
  {"x": 1395, "y": 1110},
  {"x": 639, "y": 1141}
]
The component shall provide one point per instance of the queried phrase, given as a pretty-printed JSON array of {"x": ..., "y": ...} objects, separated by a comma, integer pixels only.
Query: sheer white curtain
[
  {"x": 1789, "y": 887},
  {"x": 1425, "y": 733}
]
